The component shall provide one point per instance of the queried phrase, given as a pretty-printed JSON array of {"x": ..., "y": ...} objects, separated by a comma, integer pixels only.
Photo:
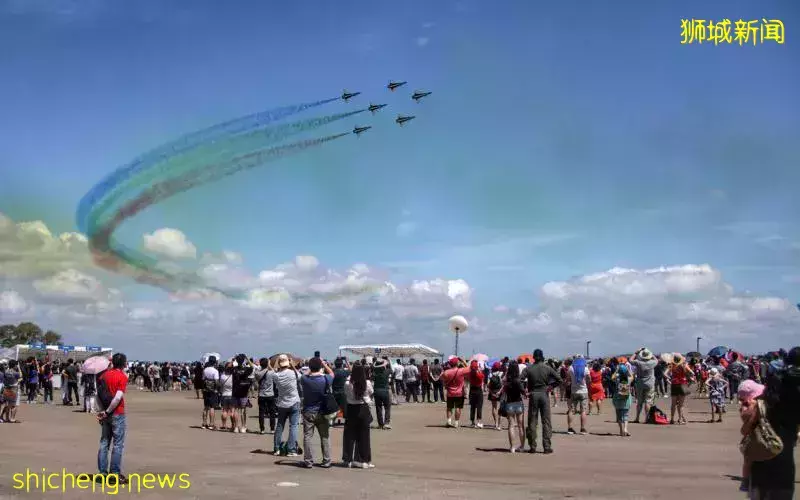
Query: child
[
  {"x": 749, "y": 391},
  {"x": 717, "y": 386}
]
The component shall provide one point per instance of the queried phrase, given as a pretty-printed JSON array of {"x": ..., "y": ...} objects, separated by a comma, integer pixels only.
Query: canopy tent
[{"x": 392, "y": 350}]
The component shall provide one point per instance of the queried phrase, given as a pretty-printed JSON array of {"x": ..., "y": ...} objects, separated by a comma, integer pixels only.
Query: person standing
[
  {"x": 210, "y": 387},
  {"x": 356, "y": 441},
  {"x": 71, "y": 376},
  {"x": 399, "y": 387},
  {"x": 425, "y": 379},
  {"x": 381, "y": 379},
  {"x": 736, "y": 373},
  {"x": 112, "y": 419},
  {"x": 47, "y": 381},
  {"x": 476, "y": 395},
  {"x": 315, "y": 386},
  {"x": 341, "y": 373},
  {"x": 454, "y": 382},
  {"x": 622, "y": 397},
  {"x": 266, "y": 395},
  {"x": 645, "y": 382},
  {"x": 436, "y": 381},
  {"x": 287, "y": 382},
  {"x": 539, "y": 376},
  {"x": 411, "y": 380},
  {"x": 579, "y": 378}
]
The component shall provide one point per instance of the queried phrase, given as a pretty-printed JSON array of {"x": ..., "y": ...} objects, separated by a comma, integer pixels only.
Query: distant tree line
[{"x": 27, "y": 333}]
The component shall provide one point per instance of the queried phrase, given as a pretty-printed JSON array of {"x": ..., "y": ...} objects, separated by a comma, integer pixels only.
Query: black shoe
[
  {"x": 548, "y": 452},
  {"x": 326, "y": 465},
  {"x": 308, "y": 465}
]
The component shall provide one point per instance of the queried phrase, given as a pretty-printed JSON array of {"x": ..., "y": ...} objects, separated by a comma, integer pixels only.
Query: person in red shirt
[
  {"x": 112, "y": 421},
  {"x": 475, "y": 394},
  {"x": 454, "y": 385},
  {"x": 425, "y": 378}
]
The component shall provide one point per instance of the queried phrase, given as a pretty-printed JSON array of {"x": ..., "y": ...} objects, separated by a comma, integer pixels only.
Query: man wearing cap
[
  {"x": 645, "y": 381},
  {"x": 288, "y": 405},
  {"x": 539, "y": 376}
]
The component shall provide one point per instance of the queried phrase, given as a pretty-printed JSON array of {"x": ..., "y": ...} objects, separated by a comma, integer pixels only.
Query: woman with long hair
[
  {"x": 358, "y": 417},
  {"x": 475, "y": 394},
  {"x": 495, "y": 387},
  {"x": 515, "y": 407},
  {"x": 622, "y": 396}
]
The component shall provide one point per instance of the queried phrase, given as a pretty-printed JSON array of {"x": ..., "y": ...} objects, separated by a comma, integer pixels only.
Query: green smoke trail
[
  {"x": 218, "y": 150},
  {"x": 115, "y": 257}
]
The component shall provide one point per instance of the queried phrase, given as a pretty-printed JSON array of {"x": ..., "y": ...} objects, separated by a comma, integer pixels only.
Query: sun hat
[
  {"x": 677, "y": 358},
  {"x": 283, "y": 361},
  {"x": 645, "y": 354},
  {"x": 750, "y": 389}
]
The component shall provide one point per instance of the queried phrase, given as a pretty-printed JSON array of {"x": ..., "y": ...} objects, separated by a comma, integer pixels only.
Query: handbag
[
  {"x": 330, "y": 407},
  {"x": 762, "y": 443},
  {"x": 503, "y": 410}
]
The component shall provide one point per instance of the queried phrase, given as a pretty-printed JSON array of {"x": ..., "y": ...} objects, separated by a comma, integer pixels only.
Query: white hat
[{"x": 283, "y": 361}]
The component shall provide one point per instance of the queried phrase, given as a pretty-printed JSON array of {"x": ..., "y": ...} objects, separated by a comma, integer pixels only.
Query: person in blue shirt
[{"x": 315, "y": 384}]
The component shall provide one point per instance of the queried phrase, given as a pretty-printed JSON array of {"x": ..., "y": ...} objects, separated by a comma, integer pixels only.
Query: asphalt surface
[{"x": 418, "y": 459}]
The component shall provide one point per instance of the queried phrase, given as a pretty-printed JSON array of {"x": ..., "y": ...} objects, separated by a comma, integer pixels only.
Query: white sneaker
[
  {"x": 456, "y": 424},
  {"x": 449, "y": 422},
  {"x": 388, "y": 427},
  {"x": 480, "y": 426},
  {"x": 236, "y": 430},
  {"x": 512, "y": 450}
]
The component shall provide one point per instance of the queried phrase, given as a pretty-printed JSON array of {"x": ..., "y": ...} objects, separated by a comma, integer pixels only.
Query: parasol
[
  {"x": 666, "y": 357},
  {"x": 207, "y": 355},
  {"x": 95, "y": 365},
  {"x": 693, "y": 354},
  {"x": 720, "y": 351},
  {"x": 292, "y": 358},
  {"x": 729, "y": 355},
  {"x": 525, "y": 358}
]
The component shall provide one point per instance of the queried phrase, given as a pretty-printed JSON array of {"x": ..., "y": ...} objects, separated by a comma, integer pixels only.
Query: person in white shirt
[
  {"x": 579, "y": 379},
  {"x": 210, "y": 393},
  {"x": 398, "y": 370},
  {"x": 358, "y": 417}
]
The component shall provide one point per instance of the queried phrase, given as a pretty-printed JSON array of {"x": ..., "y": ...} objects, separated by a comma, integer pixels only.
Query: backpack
[
  {"x": 104, "y": 395},
  {"x": 656, "y": 416},
  {"x": 210, "y": 384},
  {"x": 495, "y": 382}
]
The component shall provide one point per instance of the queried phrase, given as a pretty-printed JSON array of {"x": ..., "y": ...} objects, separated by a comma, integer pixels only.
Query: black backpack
[{"x": 104, "y": 395}]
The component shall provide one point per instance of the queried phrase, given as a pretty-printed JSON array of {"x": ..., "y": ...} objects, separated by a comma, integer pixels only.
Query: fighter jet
[
  {"x": 376, "y": 107},
  {"x": 359, "y": 130},
  {"x": 346, "y": 96},
  {"x": 419, "y": 95},
  {"x": 402, "y": 119},
  {"x": 393, "y": 85}
]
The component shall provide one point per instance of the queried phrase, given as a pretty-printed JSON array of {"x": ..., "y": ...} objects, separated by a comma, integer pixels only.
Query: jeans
[
  {"x": 475, "y": 404},
  {"x": 356, "y": 445},
  {"x": 113, "y": 428},
  {"x": 426, "y": 391},
  {"x": 293, "y": 414},
  {"x": 47, "y": 386},
  {"x": 411, "y": 390},
  {"x": 733, "y": 388},
  {"x": 314, "y": 420},
  {"x": 438, "y": 390},
  {"x": 539, "y": 406},
  {"x": 266, "y": 408},
  {"x": 33, "y": 389},
  {"x": 399, "y": 387},
  {"x": 383, "y": 403}
]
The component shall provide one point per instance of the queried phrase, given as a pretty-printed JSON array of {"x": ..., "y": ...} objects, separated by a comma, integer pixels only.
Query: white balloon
[{"x": 458, "y": 324}]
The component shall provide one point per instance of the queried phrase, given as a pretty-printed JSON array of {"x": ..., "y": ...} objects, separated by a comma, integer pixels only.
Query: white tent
[{"x": 392, "y": 350}]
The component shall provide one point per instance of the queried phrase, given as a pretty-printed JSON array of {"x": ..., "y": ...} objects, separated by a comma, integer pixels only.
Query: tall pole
[
  {"x": 587, "y": 348},
  {"x": 456, "y": 342},
  {"x": 698, "y": 343}
]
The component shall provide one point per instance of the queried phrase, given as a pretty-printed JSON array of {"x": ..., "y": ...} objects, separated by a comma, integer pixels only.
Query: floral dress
[{"x": 716, "y": 393}]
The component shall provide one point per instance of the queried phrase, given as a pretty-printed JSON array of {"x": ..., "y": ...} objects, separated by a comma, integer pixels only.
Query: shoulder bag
[{"x": 763, "y": 443}]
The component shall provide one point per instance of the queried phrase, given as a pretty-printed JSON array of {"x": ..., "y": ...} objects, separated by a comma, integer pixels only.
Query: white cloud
[
  {"x": 170, "y": 243},
  {"x": 664, "y": 308},
  {"x": 422, "y": 41},
  {"x": 12, "y": 302},
  {"x": 428, "y": 25}
]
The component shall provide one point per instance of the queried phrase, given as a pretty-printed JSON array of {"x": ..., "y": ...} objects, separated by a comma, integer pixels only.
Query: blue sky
[{"x": 559, "y": 142}]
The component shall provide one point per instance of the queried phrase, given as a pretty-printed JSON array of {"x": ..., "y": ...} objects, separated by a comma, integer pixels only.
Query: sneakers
[
  {"x": 236, "y": 430},
  {"x": 292, "y": 454},
  {"x": 548, "y": 452},
  {"x": 456, "y": 424},
  {"x": 583, "y": 432},
  {"x": 571, "y": 431},
  {"x": 367, "y": 466},
  {"x": 449, "y": 422},
  {"x": 325, "y": 465},
  {"x": 512, "y": 450},
  {"x": 479, "y": 425}
]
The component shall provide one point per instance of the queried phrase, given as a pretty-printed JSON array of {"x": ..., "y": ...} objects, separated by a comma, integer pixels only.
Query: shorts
[
  {"x": 227, "y": 402},
  {"x": 210, "y": 400},
  {"x": 10, "y": 396},
  {"x": 455, "y": 402},
  {"x": 679, "y": 389},
  {"x": 517, "y": 408},
  {"x": 579, "y": 403},
  {"x": 644, "y": 394},
  {"x": 622, "y": 415},
  {"x": 240, "y": 403}
]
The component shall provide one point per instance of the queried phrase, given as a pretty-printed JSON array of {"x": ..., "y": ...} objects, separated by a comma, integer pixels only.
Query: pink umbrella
[
  {"x": 95, "y": 365},
  {"x": 480, "y": 358}
]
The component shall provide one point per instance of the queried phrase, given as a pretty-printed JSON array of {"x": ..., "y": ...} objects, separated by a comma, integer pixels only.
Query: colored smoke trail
[
  {"x": 115, "y": 257},
  {"x": 218, "y": 150},
  {"x": 181, "y": 145}
]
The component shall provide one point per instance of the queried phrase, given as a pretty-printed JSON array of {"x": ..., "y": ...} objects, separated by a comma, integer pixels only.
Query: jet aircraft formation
[{"x": 374, "y": 108}]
